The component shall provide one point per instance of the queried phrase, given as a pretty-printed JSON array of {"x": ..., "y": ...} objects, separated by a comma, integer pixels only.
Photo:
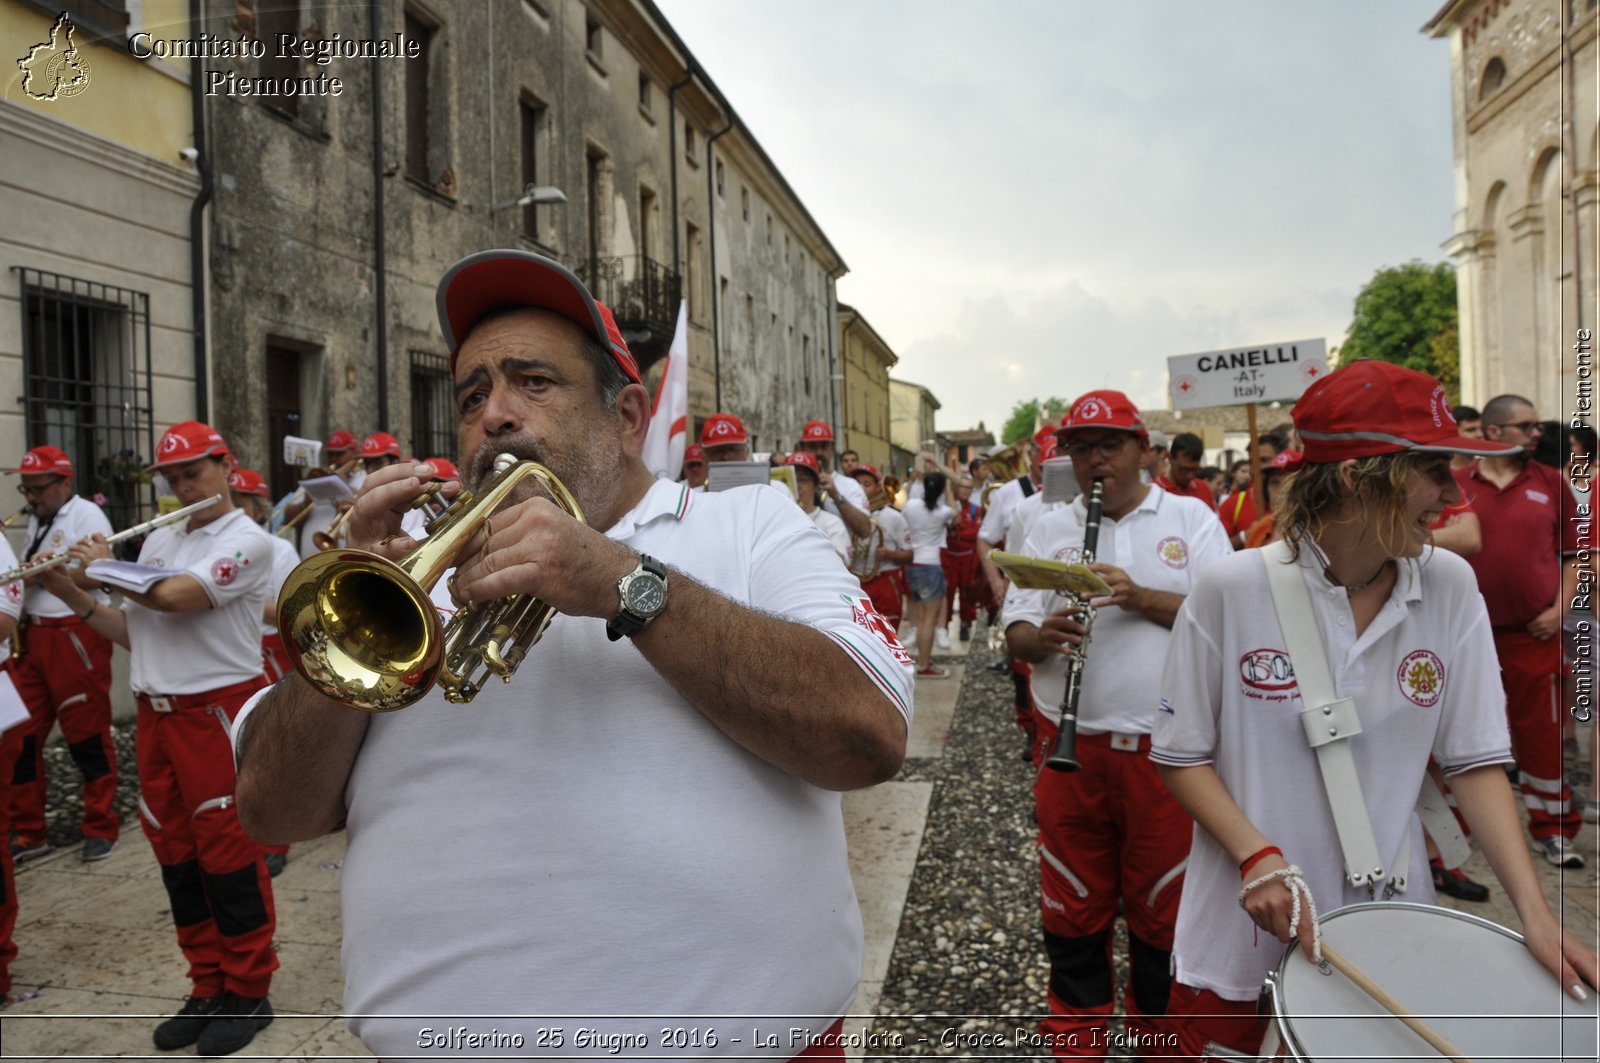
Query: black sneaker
[
  {"x": 184, "y": 1028},
  {"x": 966, "y": 632},
  {"x": 97, "y": 849},
  {"x": 275, "y": 862},
  {"x": 1453, "y": 883},
  {"x": 234, "y": 1025}
]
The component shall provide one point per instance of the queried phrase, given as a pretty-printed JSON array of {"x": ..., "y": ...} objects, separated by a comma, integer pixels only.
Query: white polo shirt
[
  {"x": 1003, "y": 500},
  {"x": 1424, "y": 678},
  {"x": 191, "y": 653},
  {"x": 616, "y": 853},
  {"x": 76, "y": 520},
  {"x": 1024, "y": 516},
  {"x": 1162, "y": 545},
  {"x": 852, "y": 491},
  {"x": 284, "y": 560},
  {"x": 896, "y": 534},
  {"x": 834, "y": 531}
]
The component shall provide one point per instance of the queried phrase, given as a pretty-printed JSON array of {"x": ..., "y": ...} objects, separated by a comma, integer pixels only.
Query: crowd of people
[{"x": 645, "y": 818}]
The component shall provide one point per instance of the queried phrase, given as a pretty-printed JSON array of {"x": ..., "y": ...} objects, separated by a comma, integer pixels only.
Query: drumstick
[{"x": 1395, "y": 1008}]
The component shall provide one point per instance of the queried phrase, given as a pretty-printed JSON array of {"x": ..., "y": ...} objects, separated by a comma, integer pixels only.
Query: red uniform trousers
[
  {"x": 886, "y": 590},
  {"x": 961, "y": 574},
  {"x": 10, "y": 747},
  {"x": 65, "y": 677},
  {"x": 1110, "y": 831},
  {"x": 1530, "y": 671},
  {"x": 1209, "y": 1027},
  {"x": 216, "y": 880},
  {"x": 274, "y": 657}
]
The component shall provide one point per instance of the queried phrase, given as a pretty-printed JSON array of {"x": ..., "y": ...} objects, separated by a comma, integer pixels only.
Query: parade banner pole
[{"x": 1256, "y": 488}]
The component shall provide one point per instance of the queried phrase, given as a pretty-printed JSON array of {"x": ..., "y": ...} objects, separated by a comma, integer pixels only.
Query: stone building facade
[
  {"x": 330, "y": 229},
  {"x": 911, "y": 415},
  {"x": 864, "y": 417},
  {"x": 1523, "y": 74}
]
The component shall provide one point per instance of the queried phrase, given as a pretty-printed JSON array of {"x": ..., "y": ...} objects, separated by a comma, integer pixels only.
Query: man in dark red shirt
[
  {"x": 1183, "y": 468},
  {"x": 1526, "y": 579}
]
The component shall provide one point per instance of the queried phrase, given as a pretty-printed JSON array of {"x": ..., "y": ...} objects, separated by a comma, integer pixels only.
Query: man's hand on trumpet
[{"x": 383, "y": 502}]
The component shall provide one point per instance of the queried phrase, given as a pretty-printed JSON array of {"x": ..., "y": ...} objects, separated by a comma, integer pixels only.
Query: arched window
[{"x": 1494, "y": 75}]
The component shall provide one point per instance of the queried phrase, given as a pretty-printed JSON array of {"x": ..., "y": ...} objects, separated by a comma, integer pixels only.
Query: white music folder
[
  {"x": 13, "y": 710},
  {"x": 130, "y": 575}
]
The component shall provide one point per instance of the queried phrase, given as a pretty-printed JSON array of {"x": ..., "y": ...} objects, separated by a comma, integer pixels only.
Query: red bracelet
[{"x": 1256, "y": 857}]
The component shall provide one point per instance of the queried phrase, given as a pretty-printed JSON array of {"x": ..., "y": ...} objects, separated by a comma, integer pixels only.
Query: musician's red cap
[
  {"x": 1103, "y": 409},
  {"x": 866, "y": 470},
  {"x": 816, "y": 432},
  {"x": 695, "y": 453},
  {"x": 803, "y": 459},
  {"x": 340, "y": 440},
  {"x": 1283, "y": 461},
  {"x": 1368, "y": 408},
  {"x": 1045, "y": 440},
  {"x": 41, "y": 461},
  {"x": 488, "y": 281},
  {"x": 186, "y": 442},
  {"x": 248, "y": 482},
  {"x": 380, "y": 444},
  {"x": 722, "y": 428},
  {"x": 444, "y": 469}
]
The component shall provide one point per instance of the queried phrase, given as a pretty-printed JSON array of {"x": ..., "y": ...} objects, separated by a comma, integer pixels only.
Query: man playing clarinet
[{"x": 1109, "y": 831}]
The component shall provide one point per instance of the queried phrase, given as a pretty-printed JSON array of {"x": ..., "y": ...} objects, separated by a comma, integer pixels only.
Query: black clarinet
[{"x": 1064, "y": 755}]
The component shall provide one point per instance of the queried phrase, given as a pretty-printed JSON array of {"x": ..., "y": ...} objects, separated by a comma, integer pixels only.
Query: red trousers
[
  {"x": 65, "y": 676},
  {"x": 274, "y": 658},
  {"x": 1109, "y": 832},
  {"x": 216, "y": 880},
  {"x": 10, "y": 747},
  {"x": 886, "y": 591},
  {"x": 1530, "y": 671},
  {"x": 961, "y": 573},
  {"x": 1209, "y": 1027}
]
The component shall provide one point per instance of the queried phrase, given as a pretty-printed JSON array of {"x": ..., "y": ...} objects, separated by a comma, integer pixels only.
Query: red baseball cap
[
  {"x": 444, "y": 469},
  {"x": 1368, "y": 408},
  {"x": 695, "y": 453},
  {"x": 495, "y": 280},
  {"x": 866, "y": 470},
  {"x": 1045, "y": 440},
  {"x": 45, "y": 460},
  {"x": 186, "y": 442},
  {"x": 803, "y": 459},
  {"x": 722, "y": 428},
  {"x": 379, "y": 444},
  {"x": 1104, "y": 409},
  {"x": 1283, "y": 461},
  {"x": 248, "y": 482},
  {"x": 816, "y": 432},
  {"x": 340, "y": 440}
]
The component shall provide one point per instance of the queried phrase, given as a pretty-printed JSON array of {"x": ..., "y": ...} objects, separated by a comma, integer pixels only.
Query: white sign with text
[{"x": 1269, "y": 372}]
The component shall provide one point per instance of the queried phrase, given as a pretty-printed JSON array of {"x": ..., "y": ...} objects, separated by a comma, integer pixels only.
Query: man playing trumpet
[
  {"x": 62, "y": 669},
  {"x": 657, "y": 783},
  {"x": 1109, "y": 832}
]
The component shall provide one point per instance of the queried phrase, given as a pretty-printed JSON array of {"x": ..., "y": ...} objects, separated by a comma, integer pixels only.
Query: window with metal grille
[
  {"x": 433, "y": 407},
  {"x": 86, "y": 385}
]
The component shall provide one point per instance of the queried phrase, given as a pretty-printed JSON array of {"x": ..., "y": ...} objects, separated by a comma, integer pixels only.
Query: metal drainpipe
[
  {"x": 711, "y": 212},
  {"x": 197, "y": 231},
  {"x": 380, "y": 263},
  {"x": 1571, "y": 151},
  {"x": 672, "y": 157}
]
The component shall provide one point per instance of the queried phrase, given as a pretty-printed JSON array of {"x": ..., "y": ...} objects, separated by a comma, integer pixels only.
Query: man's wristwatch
[{"x": 643, "y": 593}]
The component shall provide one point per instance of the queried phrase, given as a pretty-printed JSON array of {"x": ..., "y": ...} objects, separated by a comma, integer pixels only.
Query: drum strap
[{"x": 1329, "y": 723}]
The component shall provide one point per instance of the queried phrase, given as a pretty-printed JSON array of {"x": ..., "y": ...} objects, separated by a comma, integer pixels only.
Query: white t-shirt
[
  {"x": 615, "y": 852},
  {"x": 833, "y": 529},
  {"x": 1024, "y": 516},
  {"x": 997, "y": 516},
  {"x": 191, "y": 653},
  {"x": 851, "y": 490},
  {"x": 1162, "y": 545},
  {"x": 284, "y": 560},
  {"x": 76, "y": 520},
  {"x": 896, "y": 534},
  {"x": 927, "y": 528},
  {"x": 1424, "y": 678}
]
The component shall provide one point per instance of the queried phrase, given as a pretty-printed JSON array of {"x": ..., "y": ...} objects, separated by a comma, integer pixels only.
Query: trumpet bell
[{"x": 361, "y": 630}]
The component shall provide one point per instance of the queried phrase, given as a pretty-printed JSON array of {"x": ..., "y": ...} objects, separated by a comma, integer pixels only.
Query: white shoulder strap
[{"x": 1329, "y": 722}]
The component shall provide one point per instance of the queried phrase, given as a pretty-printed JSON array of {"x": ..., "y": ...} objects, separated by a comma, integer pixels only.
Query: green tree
[
  {"x": 1407, "y": 315},
  {"x": 1026, "y": 413}
]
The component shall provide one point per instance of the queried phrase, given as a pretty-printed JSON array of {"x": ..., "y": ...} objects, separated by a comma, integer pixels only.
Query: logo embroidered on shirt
[
  {"x": 1173, "y": 552},
  {"x": 1267, "y": 670},
  {"x": 1421, "y": 678},
  {"x": 224, "y": 571},
  {"x": 862, "y": 612}
]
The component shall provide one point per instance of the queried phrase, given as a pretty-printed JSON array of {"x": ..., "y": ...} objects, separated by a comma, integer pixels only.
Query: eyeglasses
[
  {"x": 24, "y": 489},
  {"x": 1109, "y": 446},
  {"x": 1527, "y": 428}
]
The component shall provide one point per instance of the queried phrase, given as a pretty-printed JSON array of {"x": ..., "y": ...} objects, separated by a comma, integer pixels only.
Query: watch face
[{"x": 645, "y": 596}]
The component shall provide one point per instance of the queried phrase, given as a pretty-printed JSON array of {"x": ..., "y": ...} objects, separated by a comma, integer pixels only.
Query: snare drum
[{"x": 1473, "y": 981}]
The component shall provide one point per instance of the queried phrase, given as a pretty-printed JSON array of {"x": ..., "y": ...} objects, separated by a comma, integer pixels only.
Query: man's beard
[{"x": 585, "y": 474}]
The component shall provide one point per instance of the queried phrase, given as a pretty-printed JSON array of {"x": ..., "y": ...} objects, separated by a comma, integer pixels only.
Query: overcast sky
[{"x": 1040, "y": 197}]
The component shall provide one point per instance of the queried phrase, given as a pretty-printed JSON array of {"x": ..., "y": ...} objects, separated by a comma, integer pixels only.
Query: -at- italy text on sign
[{"x": 1267, "y": 372}]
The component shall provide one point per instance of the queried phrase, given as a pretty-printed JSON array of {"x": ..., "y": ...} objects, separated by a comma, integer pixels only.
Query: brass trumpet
[
  {"x": 1008, "y": 464},
  {"x": 363, "y": 630},
  {"x": 328, "y": 540}
]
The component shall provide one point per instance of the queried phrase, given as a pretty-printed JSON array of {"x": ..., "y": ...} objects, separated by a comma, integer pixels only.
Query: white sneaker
[
  {"x": 1559, "y": 851},
  {"x": 909, "y": 637},
  {"x": 1591, "y": 810},
  {"x": 941, "y": 639}
]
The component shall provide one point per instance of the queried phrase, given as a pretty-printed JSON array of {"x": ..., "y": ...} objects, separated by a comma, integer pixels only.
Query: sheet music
[
  {"x": 302, "y": 452},
  {"x": 13, "y": 710},
  {"x": 129, "y": 575},
  {"x": 1060, "y": 482},
  {"x": 327, "y": 489},
  {"x": 721, "y": 475}
]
